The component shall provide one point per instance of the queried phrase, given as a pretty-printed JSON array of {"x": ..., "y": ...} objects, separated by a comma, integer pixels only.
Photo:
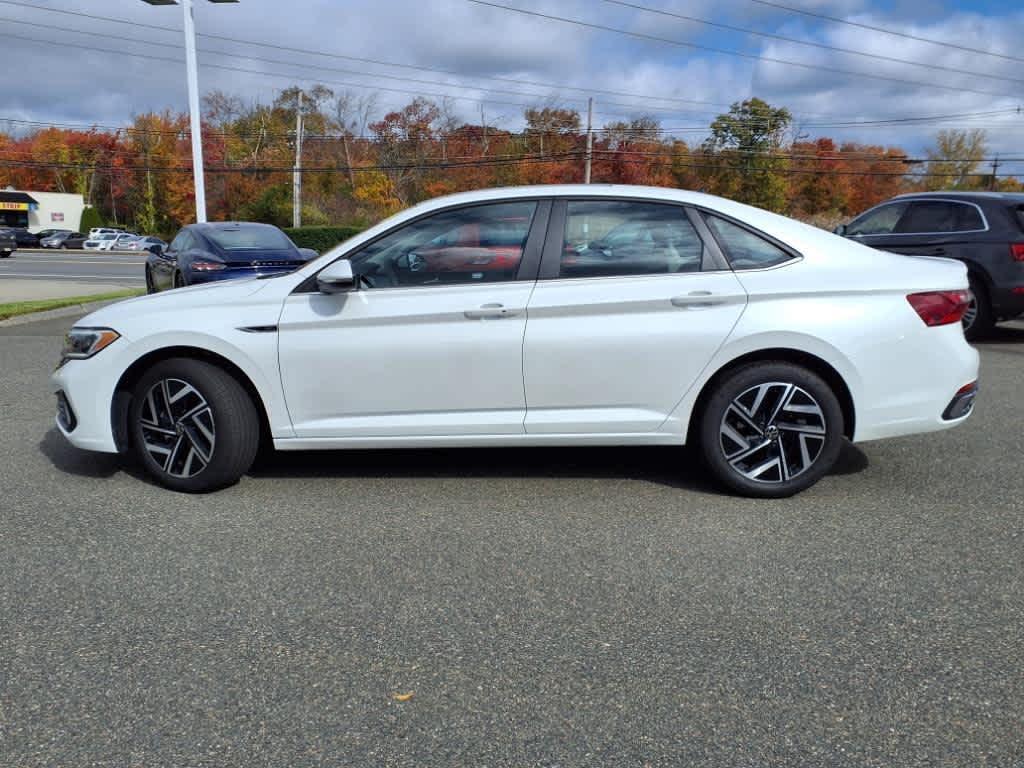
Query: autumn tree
[
  {"x": 744, "y": 153},
  {"x": 953, "y": 161}
]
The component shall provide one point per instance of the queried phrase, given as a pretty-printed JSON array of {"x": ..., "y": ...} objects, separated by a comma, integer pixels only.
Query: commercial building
[{"x": 40, "y": 210}]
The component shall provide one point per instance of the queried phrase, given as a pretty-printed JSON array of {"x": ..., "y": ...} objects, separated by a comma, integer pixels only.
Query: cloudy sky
[{"x": 76, "y": 69}]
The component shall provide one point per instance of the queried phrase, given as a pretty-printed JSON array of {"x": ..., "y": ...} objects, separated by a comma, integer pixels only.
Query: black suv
[{"x": 985, "y": 230}]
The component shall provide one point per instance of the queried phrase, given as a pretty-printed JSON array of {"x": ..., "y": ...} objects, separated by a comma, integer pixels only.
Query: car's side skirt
[{"x": 474, "y": 441}]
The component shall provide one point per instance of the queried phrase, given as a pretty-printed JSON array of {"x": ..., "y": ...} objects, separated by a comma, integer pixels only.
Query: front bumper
[{"x": 85, "y": 392}]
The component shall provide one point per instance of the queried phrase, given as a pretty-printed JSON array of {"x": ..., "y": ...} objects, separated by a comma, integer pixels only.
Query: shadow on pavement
[
  {"x": 674, "y": 467},
  {"x": 74, "y": 461},
  {"x": 1005, "y": 334}
]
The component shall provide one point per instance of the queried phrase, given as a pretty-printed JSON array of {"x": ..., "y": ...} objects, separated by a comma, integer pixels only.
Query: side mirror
[
  {"x": 156, "y": 249},
  {"x": 336, "y": 278},
  {"x": 839, "y": 230},
  {"x": 308, "y": 254}
]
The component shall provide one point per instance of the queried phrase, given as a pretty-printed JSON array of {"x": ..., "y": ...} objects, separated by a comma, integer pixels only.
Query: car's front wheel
[
  {"x": 150, "y": 288},
  {"x": 194, "y": 427},
  {"x": 771, "y": 429}
]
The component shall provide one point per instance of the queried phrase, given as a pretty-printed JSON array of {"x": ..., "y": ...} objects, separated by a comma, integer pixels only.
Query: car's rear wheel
[
  {"x": 771, "y": 429},
  {"x": 194, "y": 428},
  {"x": 978, "y": 320},
  {"x": 179, "y": 280}
]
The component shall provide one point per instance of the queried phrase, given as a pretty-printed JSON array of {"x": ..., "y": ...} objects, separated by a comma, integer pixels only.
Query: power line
[
  {"x": 728, "y": 52},
  {"x": 905, "y": 35},
  {"x": 822, "y": 46},
  {"x": 363, "y": 60}
]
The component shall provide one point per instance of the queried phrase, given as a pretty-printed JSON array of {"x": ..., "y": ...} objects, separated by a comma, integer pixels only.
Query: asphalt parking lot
[{"x": 545, "y": 608}]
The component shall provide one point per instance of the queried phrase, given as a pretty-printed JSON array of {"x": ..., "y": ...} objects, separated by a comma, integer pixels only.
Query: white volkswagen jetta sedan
[{"x": 560, "y": 315}]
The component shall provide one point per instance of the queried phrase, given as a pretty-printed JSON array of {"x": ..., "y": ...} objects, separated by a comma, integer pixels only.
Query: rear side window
[
  {"x": 939, "y": 216},
  {"x": 880, "y": 221},
  {"x": 1019, "y": 210},
  {"x": 604, "y": 238},
  {"x": 744, "y": 249}
]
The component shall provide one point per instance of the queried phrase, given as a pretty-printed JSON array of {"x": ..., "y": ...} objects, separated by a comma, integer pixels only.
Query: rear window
[
  {"x": 250, "y": 238},
  {"x": 744, "y": 249}
]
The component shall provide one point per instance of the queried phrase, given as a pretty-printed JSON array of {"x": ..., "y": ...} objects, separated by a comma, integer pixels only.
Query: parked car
[
  {"x": 45, "y": 233},
  {"x": 768, "y": 351},
  {"x": 100, "y": 242},
  {"x": 984, "y": 230},
  {"x": 202, "y": 253},
  {"x": 23, "y": 237},
  {"x": 63, "y": 239},
  {"x": 95, "y": 232},
  {"x": 119, "y": 242},
  {"x": 143, "y": 243},
  {"x": 7, "y": 244}
]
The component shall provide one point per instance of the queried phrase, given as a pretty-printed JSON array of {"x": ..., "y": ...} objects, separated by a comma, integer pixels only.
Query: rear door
[{"x": 630, "y": 307}]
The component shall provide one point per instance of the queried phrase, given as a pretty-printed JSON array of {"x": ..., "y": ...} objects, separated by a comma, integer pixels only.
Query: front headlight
[{"x": 81, "y": 343}]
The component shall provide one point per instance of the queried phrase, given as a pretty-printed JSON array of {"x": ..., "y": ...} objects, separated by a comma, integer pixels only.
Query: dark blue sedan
[{"x": 202, "y": 253}]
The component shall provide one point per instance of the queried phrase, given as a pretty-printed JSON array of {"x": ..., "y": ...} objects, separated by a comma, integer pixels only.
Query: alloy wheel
[
  {"x": 971, "y": 313},
  {"x": 773, "y": 432},
  {"x": 178, "y": 429}
]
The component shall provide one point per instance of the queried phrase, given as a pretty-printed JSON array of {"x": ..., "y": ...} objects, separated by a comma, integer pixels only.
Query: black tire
[
  {"x": 63, "y": 247},
  {"x": 179, "y": 280},
  {"x": 182, "y": 444},
  {"x": 149, "y": 282},
  {"x": 797, "y": 440},
  {"x": 983, "y": 321}
]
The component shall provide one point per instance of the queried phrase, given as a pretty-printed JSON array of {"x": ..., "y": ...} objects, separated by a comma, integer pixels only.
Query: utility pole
[
  {"x": 192, "y": 71},
  {"x": 297, "y": 171},
  {"x": 483, "y": 122},
  {"x": 590, "y": 139},
  {"x": 995, "y": 167}
]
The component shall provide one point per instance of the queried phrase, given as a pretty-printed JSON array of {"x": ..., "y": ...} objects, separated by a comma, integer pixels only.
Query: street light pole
[
  {"x": 192, "y": 74},
  {"x": 195, "y": 118}
]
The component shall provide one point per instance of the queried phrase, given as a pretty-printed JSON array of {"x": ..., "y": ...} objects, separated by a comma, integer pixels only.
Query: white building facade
[{"x": 40, "y": 210}]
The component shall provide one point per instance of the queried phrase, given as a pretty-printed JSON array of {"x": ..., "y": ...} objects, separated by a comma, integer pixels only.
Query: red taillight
[
  {"x": 940, "y": 307},
  {"x": 207, "y": 266},
  {"x": 1017, "y": 251}
]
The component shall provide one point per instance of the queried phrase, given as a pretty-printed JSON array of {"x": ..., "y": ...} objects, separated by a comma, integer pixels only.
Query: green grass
[{"x": 15, "y": 308}]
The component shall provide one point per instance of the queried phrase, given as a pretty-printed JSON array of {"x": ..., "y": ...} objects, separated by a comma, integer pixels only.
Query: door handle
[
  {"x": 493, "y": 310},
  {"x": 697, "y": 299}
]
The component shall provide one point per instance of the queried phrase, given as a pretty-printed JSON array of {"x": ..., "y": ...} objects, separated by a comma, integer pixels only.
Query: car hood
[{"x": 183, "y": 307}]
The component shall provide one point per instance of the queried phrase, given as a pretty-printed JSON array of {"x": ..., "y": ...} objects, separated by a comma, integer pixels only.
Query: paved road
[
  {"x": 78, "y": 266},
  {"x": 547, "y": 608}
]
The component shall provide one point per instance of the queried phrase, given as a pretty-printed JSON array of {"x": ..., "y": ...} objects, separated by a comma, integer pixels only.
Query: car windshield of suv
[{"x": 250, "y": 238}]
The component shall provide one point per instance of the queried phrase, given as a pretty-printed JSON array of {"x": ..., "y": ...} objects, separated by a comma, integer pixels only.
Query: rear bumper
[{"x": 236, "y": 273}]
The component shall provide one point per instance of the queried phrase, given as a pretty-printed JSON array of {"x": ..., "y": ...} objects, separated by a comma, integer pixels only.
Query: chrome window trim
[{"x": 911, "y": 201}]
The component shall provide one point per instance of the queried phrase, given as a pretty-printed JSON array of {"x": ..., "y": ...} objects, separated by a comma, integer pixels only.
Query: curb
[{"x": 52, "y": 314}]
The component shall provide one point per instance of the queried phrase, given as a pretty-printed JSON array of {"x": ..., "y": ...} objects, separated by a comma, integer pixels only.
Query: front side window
[
  {"x": 479, "y": 244},
  {"x": 611, "y": 237},
  {"x": 880, "y": 221},
  {"x": 743, "y": 248},
  {"x": 939, "y": 216}
]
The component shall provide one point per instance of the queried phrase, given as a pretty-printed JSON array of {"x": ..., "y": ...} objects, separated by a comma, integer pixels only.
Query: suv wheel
[
  {"x": 771, "y": 430},
  {"x": 194, "y": 428},
  {"x": 978, "y": 321}
]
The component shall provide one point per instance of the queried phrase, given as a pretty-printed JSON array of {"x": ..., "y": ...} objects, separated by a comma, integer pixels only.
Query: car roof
[
  {"x": 215, "y": 226},
  {"x": 1010, "y": 197}
]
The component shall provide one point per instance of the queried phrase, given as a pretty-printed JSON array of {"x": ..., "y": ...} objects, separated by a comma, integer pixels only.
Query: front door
[
  {"x": 430, "y": 344},
  {"x": 633, "y": 309}
]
